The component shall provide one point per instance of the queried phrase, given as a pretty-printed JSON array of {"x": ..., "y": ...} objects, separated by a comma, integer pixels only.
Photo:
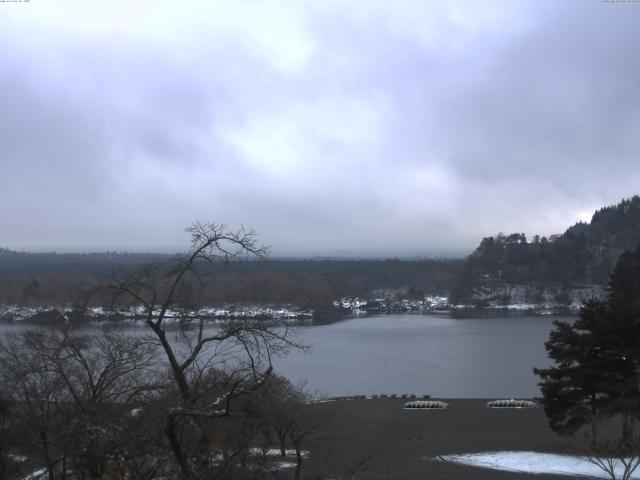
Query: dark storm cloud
[{"x": 418, "y": 126}]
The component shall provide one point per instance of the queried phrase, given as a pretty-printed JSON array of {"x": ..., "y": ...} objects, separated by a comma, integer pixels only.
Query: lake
[
  {"x": 432, "y": 354},
  {"x": 422, "y": 354}
]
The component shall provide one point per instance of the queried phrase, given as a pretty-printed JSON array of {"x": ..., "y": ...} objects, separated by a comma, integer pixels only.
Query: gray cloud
[{"x": 327, "y": 126}]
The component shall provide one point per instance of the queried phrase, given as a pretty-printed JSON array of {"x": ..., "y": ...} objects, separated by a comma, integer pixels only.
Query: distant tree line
[{"x": 59, "y": 279}]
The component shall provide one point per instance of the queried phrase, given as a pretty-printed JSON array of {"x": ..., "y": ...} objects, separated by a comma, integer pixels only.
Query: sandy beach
[{"x": 401, "y": 443}]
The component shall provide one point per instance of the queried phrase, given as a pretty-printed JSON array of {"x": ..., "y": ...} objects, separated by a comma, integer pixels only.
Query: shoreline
[
  {"x": 51, "y": 315},
  {"x": 410, "y": 397}
]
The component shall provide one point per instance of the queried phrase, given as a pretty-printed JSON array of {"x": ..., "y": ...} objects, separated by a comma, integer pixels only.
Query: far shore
[{"x": 56, "y": 315}]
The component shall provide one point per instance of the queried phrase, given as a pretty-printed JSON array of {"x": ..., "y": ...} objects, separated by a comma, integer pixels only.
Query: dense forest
[
  {"x": 582, "y": 256},
  {"x": 543, "y": 269},
  {"x": 39, "y": 279}
]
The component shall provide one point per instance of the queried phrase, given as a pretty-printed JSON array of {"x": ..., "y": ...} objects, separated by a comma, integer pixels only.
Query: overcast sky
[{"x": 351, "y": 127}]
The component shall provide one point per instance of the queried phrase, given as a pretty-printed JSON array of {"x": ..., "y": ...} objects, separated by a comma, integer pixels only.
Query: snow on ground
[
  {"x": 275, "y": 452},
  {"x": 22, "y": 313},
  {"x": 36, "y": 474},
  {"x": 532, "y": 462}
]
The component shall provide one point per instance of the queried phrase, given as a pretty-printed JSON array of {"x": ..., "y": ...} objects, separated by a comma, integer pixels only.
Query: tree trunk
[
  {"x": 298, "y": 462},
  {"x": 44, "y": 441},
  {"x": 178, "y": 374},
  {"x": 203, "y": 450},
  {"x": 172, "y": 436},
  {"x": 282, "y": 439},
  {"x": 627, "y": 431}
]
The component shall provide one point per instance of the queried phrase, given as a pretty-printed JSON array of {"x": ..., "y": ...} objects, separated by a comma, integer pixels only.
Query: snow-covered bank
[
  {"x": 533, "y": 462},
  {"x": 21, "y": 313},
  {"x": 389, "y": 305},
  {"x": 361, "y": 306},
  {"x": 495, "y": 292}
]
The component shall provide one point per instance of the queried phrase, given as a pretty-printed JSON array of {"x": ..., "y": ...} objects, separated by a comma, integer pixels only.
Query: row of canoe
[{"x": 511, "y": 403}]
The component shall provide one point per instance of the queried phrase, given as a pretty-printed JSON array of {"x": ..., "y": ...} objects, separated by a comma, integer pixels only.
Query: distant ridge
[{"x": 582, "y": 256}]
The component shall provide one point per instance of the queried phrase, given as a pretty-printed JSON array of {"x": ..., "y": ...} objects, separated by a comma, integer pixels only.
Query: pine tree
[{"x": 597, "y": 357}]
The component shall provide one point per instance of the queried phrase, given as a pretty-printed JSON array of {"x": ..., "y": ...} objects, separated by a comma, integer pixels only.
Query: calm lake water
[
  {"x": 416, "y": 354},
  {"x": 422, "y": 354}
]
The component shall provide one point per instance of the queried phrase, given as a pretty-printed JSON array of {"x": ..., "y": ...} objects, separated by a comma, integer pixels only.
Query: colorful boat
[
  {"x": 511, "y": 403},
  {"x": 431, "y": 404}
]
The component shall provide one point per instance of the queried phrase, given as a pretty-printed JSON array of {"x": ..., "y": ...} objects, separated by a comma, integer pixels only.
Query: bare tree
[
  {"x": 10, "y": 463},
  {"x": 71, "y": 396},
  {"x": 211, "y": 366},
  {"x": 614, "y": 448},
  {"x": 35, "y": 392},
  {"x": 301, "y": 428},
  {"x": 278, "y": 405}
]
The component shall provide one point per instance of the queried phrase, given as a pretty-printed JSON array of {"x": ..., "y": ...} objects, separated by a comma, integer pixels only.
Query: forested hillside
[{"x": 583, "y": 256}]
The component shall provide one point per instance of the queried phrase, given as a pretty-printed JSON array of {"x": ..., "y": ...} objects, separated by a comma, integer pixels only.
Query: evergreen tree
[
  {"x": 597, "y": 370},
  {"x": 624, "y": 283}
]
